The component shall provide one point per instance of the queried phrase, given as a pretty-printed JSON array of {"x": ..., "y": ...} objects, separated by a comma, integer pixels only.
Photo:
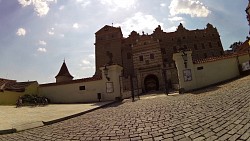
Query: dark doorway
[{"x": 151, "y": 83}]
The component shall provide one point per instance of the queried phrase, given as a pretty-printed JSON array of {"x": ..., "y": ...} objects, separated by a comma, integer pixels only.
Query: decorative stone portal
[{"x": 151, "y": 83}]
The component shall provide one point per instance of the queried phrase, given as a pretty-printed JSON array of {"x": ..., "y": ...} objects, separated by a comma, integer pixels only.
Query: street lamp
[
  {"x": 184, "y": 57},
  {"x": 248, "y": 13},
  {"x": 165, "y": 81},
  {"x": 106, "y": 71}
]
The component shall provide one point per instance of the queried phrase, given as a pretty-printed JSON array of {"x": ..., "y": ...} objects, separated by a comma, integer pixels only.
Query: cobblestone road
[{"x": 217, "y": 113}]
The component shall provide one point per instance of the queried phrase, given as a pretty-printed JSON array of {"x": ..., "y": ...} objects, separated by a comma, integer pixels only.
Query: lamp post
[
  {"x": 184, "y": 57},
  {"x": 248, "y": 13},
  {"x": 106, "y": 71},
  {"x": 132, "y": 88},
  {"x": 165, "y": 81}
]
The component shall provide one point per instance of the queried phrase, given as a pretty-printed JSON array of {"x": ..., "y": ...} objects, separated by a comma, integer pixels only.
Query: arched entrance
[{"x": 151, "y": 83}]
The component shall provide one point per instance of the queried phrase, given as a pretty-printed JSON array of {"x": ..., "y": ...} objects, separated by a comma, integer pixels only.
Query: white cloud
[
  {"x": 42, "y": 50},
  {"x": 88, "y": 68},
  {"x": 42, "y": 43},
  {"x": 21, "y": 32},
  {"x": 61, "y": 7},
  {"x": 61, "y": 35},
  {"x": 75, "y": 25},
  {"x": 171, "y": 29},
  {"x": 117, "y": 4},
  {"x": 83, "y": 3},
  {"x": 139, "y": 22},
  {"x": 191, "y": 7},
  {"x": 163, "y": 5},
  {"x": 41, "y": 7},
  {"x": 86, "y": 62},
  {"x": 175, "y": 19},
  {"x": 51, "y": 31}
]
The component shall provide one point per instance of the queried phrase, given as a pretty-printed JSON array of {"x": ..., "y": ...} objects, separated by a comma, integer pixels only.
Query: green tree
[{"x": 235, "y": 45}]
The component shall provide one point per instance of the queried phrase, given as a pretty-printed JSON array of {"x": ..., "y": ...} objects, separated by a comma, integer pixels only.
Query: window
[
  {"x": 81, "y": 88},
  {"x": 163, "y": 50},
  {"x": 203, "y": 46},
  {"x": 205, "y": 55},
  {"x": 210, "y": 44},
  {"x": 195, "y": 47},
  {"x": 166, "y": 60},
  {"x": 175, "y": 49},
  {"x": 141, "y": 58},
  {"x": 184, "y": 37},
  {"x": 200, "y": 68},
  {"x": 129, "y": 55},
  {"x": 185, "y": 46},
  {"x": 152, "y": 56}
]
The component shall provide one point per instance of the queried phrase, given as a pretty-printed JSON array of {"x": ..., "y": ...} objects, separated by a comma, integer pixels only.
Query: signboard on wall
[
  {"x": 187, "y": 74},
  {"x": 109, "y": 87},
  {"x": 245, "y": 66}
]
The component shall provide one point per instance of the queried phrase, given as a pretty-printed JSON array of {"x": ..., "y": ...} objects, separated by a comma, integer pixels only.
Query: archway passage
[{"x": 151, "y": 83}]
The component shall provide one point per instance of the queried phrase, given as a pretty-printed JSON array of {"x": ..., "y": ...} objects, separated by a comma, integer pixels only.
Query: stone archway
[{"x": 151, "y": 83}]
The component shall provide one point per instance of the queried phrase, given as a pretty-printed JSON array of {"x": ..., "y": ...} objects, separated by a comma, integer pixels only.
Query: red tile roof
[
  {"x": 95, "y": 78},
  {"x": 12, "y": 85},
  {"x": 212, "y": 59},
  {"x": 243, "y": 48},
  {"x": 4, "y": 81},
  {"x": 18, "y": 86}
]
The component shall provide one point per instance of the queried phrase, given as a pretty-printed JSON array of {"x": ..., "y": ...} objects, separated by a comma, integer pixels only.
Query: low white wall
[
  {"x": 207, "y": 72},
  {"x": 216, "y": 71},
  {"x": 70, "y": 93}
]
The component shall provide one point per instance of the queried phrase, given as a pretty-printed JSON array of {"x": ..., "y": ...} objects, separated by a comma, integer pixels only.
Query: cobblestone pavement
[{"x": 216, "y": 113}]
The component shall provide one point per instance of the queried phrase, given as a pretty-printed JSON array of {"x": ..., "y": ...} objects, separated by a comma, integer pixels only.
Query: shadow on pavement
[{"x": 208, "y": 89}]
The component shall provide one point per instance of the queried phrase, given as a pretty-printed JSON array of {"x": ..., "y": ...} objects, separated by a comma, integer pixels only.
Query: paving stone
[
  {"x": 189, "y": 133},
  {"x": 234, "y": 137},
  {"x": 224, "y": 137},
  {"x": 168, "y": 136},
  {"x": 220, "y": 114},
  {"x": 211, "y": 138},
  {"x": 199, "y": 139},
  {"x": 246, "y": 135}
]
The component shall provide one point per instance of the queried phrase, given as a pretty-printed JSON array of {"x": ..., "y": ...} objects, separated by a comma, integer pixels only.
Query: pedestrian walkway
[{"x": 14, "y": 119}]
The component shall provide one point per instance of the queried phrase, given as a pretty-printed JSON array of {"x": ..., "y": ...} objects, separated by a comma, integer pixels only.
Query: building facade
[
  {"x": 11, "y": 90},
  {"x": 148, "y": 59}
]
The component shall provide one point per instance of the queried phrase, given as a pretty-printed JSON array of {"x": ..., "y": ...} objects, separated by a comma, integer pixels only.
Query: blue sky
[{"x": 37, "y": 35}]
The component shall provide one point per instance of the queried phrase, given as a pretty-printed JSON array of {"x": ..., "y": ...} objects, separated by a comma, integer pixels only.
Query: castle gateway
[{"x": 148, "y": 59}]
